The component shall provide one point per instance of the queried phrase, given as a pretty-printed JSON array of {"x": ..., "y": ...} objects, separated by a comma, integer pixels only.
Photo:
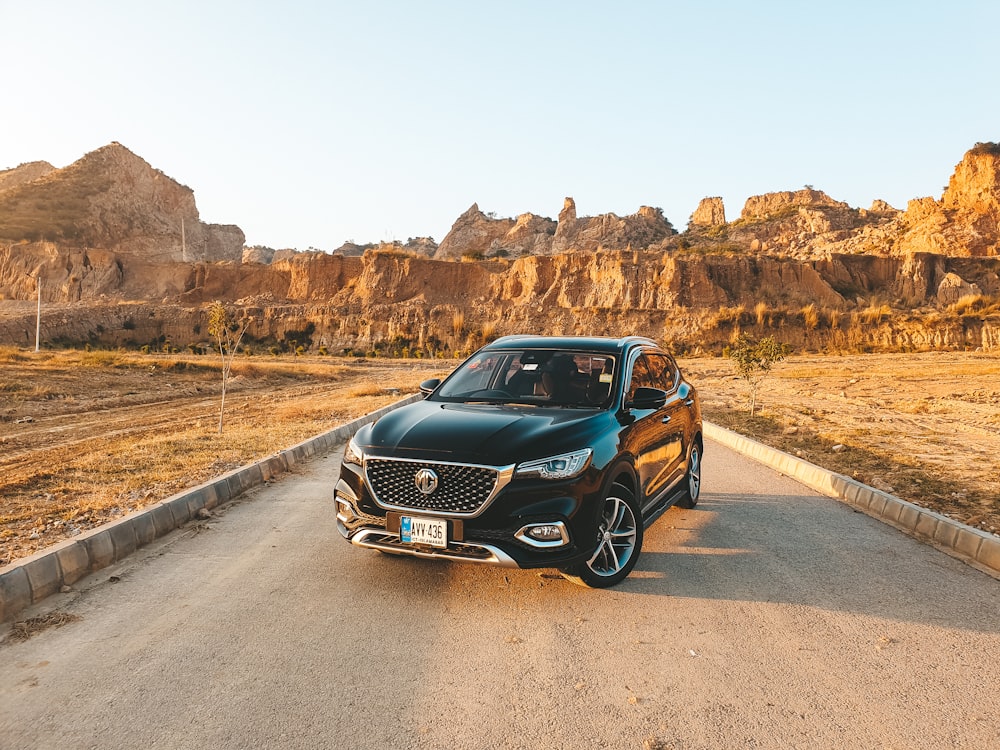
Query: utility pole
[{"x": 38, "y": 316}]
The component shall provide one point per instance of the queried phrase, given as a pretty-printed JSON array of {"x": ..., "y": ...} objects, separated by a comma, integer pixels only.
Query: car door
[
  {"x": 648, "y": 435},
  {"x": 674, "y": 416}
]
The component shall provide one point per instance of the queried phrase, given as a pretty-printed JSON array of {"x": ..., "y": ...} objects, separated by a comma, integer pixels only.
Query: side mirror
[
  {"x": 428, "y": 386},
  {"x": 647, "y": 398},
  {"x": 684, "y": 391}
]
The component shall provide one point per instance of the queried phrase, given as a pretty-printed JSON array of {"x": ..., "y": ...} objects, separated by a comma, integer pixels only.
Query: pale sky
[{"x": 313, "y": 123}]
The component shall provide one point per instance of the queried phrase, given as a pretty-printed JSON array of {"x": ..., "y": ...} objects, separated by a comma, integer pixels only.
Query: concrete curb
[
  {"x": 28, "y": 581},
  {"x": 977, "y": 548}
]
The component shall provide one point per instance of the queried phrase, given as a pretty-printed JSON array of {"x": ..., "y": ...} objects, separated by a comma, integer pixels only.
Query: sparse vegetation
[
  {"x": 976, "y": 305},
  {"x": 156, "y": 433},
  {"x": 227, "y": 333},
  {"x": 986, "y": 148},
  {"x": 810, "y": 317},
  {"x": 753, "y": 361}
]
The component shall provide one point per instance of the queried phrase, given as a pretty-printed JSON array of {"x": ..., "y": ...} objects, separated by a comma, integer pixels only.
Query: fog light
[
  {"x": 552, "y": 534},
  {"x": 545, "y": 533},
  {"x": 345, "y": 511}
]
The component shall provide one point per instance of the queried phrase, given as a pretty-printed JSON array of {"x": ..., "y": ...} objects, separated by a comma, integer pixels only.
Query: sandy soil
[
  {"x": 86, "y": 438},
  {"x": 924, "y": 427}
]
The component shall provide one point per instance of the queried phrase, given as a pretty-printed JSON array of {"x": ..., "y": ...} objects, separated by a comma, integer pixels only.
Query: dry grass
[
  {"x": 761, "y": 311},
  {"x": 114, "y": 432},
  {"x": 978, "y": 305},
  {"x": 810, "y": 317},
  {"x": 25, "y": 629},
  {"x": 130, "y": 429},
  {"x": 924, "y": 427}
]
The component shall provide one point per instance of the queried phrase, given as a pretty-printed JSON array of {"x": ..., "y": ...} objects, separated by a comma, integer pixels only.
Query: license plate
[{"x": 416, "y": 530}]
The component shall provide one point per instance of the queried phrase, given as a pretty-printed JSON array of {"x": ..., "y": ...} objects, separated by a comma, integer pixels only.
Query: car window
[
  {"x": 662, "y": 371},
  {"x": 641, "y": 377},
  {"x": 542, "y": 376}
]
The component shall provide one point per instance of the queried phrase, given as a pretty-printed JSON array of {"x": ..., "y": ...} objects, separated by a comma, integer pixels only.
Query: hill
[
  {"x": 111, "y": 200},
  {"x": 125, "y": 261}
]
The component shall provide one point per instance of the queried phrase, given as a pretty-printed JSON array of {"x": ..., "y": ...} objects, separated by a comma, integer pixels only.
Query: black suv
[{"x": 536, "y": 452}]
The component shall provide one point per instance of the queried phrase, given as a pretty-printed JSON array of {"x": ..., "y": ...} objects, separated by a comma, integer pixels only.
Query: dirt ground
[
  {"x": 89, "y": 436},
  {"x": 924, "y": 427},
  {"x": 86, "y": 437}
]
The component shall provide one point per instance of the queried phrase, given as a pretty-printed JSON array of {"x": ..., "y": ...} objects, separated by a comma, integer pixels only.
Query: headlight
[
  {"x": 563, "y": 466},
  {"x": 352, "y": 453}
]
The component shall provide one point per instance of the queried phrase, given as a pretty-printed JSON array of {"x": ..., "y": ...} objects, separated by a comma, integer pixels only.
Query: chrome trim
[
  {"x": 382, "y": 540},
  {"x": 345, "y": 511},
  {"x": 504, "y": 476},
  {"x": 522, "y": 535}
]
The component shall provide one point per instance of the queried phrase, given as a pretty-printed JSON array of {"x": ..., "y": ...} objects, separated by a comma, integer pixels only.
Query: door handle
[
  {"x": 689, "y": 402},
  {"x": 665, "y": 419}
]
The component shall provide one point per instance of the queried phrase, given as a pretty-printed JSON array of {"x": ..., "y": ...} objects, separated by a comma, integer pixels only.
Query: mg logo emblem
[{"x": 426, "y": 481}]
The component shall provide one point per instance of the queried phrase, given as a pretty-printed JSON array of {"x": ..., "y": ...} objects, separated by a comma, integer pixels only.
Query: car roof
[{"x": 586, "y": 343}]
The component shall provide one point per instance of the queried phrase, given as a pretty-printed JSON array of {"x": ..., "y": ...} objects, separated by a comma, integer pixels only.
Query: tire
[
  {"x": 692, "y": 480},
  {"x": 619, "y": 537}
]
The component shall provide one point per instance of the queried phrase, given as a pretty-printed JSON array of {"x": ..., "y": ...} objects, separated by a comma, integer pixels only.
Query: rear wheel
[
  {"x": 692, "y": 480},
  {"x": 619, "y": 541}
]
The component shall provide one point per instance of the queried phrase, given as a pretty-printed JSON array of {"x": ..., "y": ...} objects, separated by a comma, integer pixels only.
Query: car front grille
[{"x": 462, "y": 489}]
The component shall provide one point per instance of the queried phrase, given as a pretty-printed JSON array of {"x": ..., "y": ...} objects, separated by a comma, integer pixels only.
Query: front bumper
[{"x": 496, "y": 536}]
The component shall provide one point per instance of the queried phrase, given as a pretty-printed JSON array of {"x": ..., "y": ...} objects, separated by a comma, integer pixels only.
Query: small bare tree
[
  {"x": 228, "y": 334},
  {"x": 753, "y": 361}
]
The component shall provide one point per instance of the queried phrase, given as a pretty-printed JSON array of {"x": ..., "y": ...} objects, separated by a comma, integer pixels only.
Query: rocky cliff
[
  {"x": 111, "y": 200},
  {"x": 478, "y": 235},
  {"x": 799, "y": 264}
]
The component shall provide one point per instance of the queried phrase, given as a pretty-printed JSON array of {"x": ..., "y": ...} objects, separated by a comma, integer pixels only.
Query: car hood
[{"x": 480, "y": 433}]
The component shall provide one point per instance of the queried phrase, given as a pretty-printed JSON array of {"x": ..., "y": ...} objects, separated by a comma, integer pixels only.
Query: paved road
[{"x": 765, "y": 618}]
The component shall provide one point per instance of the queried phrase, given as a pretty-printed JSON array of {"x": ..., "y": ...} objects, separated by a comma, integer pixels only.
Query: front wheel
[
  {"x": 619, "y": 541},
  {"x": 692, "y": 480}
]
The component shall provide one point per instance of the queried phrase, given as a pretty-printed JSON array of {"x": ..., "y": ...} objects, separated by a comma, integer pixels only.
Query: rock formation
[
  {"x": 640, "y": 230},
  {"x": 710, "y": 213},
  {"x": 478, "y": 235},
  {"x": 114, "y": 224},
  {"x": 113, "y": 200}
]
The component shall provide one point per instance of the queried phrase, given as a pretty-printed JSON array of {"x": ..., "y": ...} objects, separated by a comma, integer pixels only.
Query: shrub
[
  {"x": 986, "y": 148},
  {"x": 753, "y": 361},
  {"x": 810, "y": 316},
  {"x": 761, "y": 310}
]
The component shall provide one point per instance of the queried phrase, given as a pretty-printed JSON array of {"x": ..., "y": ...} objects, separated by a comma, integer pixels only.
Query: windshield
[{"x": 551, "y": 377}]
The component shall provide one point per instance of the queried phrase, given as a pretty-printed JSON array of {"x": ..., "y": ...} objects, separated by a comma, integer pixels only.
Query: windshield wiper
[{"x": 499, "y": 402}]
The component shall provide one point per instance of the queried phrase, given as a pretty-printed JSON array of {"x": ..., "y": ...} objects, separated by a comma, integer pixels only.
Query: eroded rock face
[
  {"x": 113, "y": 200},
  {"x": 638, "y": 231},
  {"x": 575, "y": 275},
  {"x": 351, "y": 301},
  {"x": 710, "y": 213},
  {"x": 975, "y": 185},
  {"x": 953, "y": 288},
  {"x": 473, "y": 233},
  {"x": 476, "y": 234},
  {"x": 759, "y": 207}
]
